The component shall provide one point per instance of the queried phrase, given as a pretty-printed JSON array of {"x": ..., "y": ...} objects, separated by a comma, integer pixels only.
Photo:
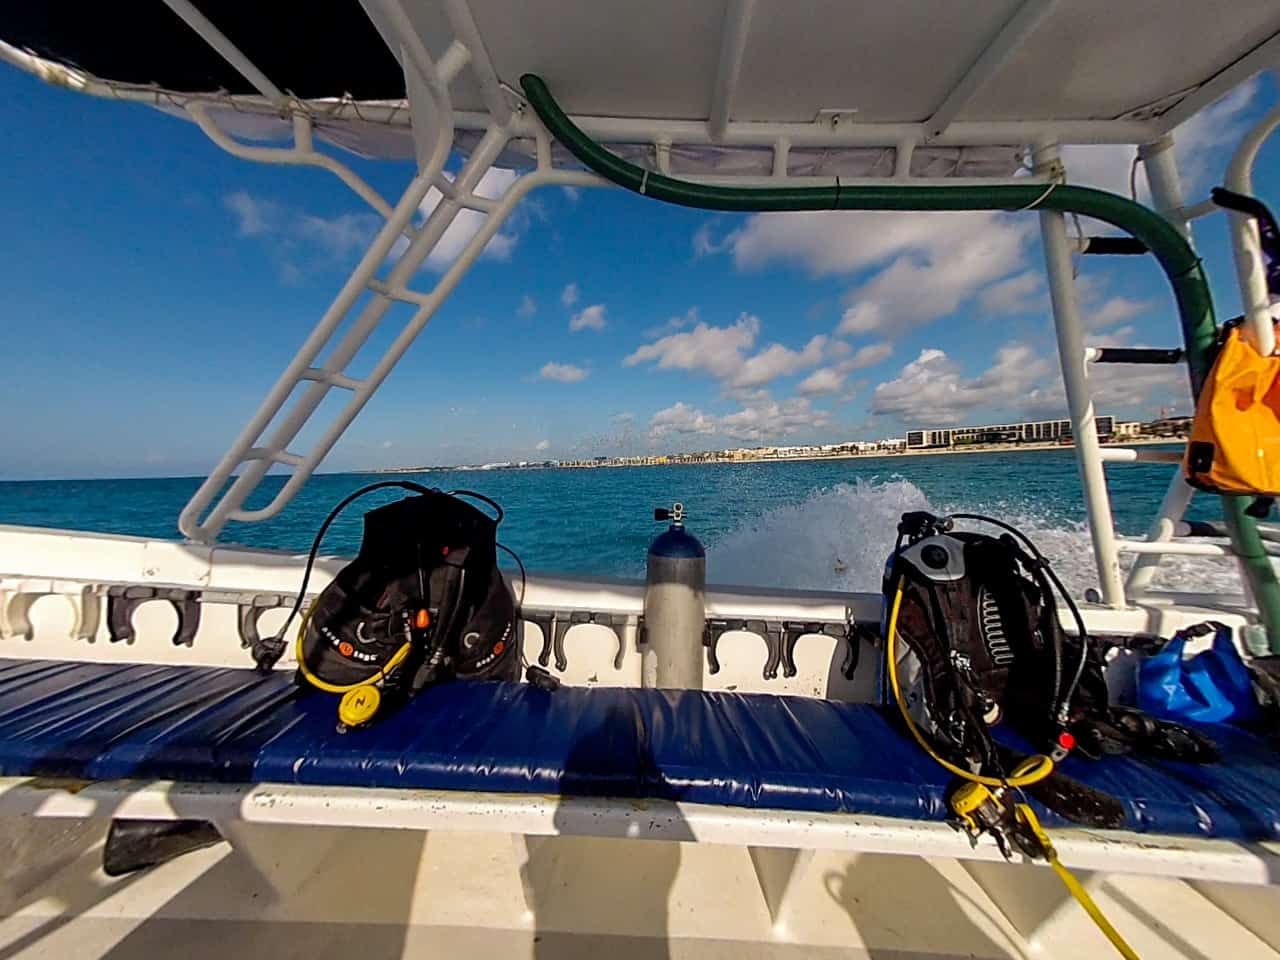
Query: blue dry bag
[{"x": 1213, "y": 686}]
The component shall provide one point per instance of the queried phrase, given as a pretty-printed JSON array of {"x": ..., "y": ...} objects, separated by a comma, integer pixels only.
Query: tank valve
[{"x": 675, "y": 514}]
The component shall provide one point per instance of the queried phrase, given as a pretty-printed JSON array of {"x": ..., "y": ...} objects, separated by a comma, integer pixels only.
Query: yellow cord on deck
[
  {"x": 1032, "y": 822},
  {"x": 1029, "y": 771}
]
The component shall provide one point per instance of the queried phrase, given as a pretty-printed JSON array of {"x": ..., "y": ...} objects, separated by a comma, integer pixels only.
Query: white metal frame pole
[
  {"x": 1255, "y": 299},
  {"x": 251, "y": 473},
  {"x": 211, "y": 35},
  {"x": 733, "y": 43},
  {"x": 254, "y": 462},
  {"x": 1075, "y": 380},
  {"x": 1166, "y": 196}
]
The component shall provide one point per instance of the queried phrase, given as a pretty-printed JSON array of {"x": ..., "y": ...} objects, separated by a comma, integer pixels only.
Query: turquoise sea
[{"x": 817, "y": 524}]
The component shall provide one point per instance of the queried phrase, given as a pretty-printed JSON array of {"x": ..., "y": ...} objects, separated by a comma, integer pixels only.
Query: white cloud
[
  {"x": 718, "y": 351},
  {"x": 776, "y": 361},
  {"x": 839, "y": 241},
  {"x": 528, "y": 307},
  {"x": 254, "y": 217},
  {"x": 1140, "y": 391},
  {"x": 673, "y": 324},
  {"x": 939, "y": 272},
  {"x": 932, "y": 262},
  {"x": 680, "y": 418},
  {"x": 867, "y": 356},
  {"x": 705, "y": 243},
  {"x": 589, "y": 318},
  {"x": 569, "y": 295},
  {"x": 829, "y": 380},
  {"x": 825, "y": 380},
  {"x": 1218, "y": 125},
  {"x": 1113, "y": 311},
  {"x": 542, "y": 445},
  {"x": 767, "y": 419},
  {"x": 1021, "y": 293},
  {"x": 626, "y": 416},
  {"x": 350, "y": 233},
  {"x": 343, "y": 235},
  {"x": 931, "y": 390},
  {"x": 725, "y": 354},
  {"x": 762, "y": 418},
  {"x": 336, "y": 237},
  {"x": 492, "y": 184},
  {"x": 387, "y": 444},
  {"x": 562, "y": 372}
]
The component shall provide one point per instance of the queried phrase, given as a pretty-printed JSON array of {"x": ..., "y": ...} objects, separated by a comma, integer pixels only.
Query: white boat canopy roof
[{"x": 719, "y": 83}]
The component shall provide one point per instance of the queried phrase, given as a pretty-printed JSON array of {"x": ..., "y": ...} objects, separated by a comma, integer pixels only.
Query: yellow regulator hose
[{"x": 1029, "y": 771}]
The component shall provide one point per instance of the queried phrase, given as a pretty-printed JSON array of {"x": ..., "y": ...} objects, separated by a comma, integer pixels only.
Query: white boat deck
[{"x": 307, "y": 892}]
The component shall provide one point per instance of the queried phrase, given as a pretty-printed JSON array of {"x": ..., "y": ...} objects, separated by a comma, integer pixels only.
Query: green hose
[{"x": 1176, "y": 258}]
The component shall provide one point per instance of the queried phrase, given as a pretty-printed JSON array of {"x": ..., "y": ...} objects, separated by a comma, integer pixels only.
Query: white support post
[
  {"x": 302, "y": 153},
  {"x": 464, "y": 27},
  {"x": 902, "y": 158},
  {"x": 1166, "y": 196},
  {"x": 286, "y": 858},
  {"x": 527, "y": 849},
  {"x": 781, "y": 155},
  {"x": 779, "y": 871},
  {"x": 1255, "y": 299},
  {"x": 1075, "y": 380},
  {"x": 733, "y": 41}
]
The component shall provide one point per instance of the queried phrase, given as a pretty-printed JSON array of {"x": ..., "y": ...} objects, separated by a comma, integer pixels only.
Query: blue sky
[{"x": 155, "y": 286}]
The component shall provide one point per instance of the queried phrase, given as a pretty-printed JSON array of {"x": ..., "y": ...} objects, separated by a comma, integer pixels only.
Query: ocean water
[{"x": 812, "y": 524}]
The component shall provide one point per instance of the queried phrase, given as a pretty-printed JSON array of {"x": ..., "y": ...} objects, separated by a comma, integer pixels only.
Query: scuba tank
[{"x": 674, "y": 605}]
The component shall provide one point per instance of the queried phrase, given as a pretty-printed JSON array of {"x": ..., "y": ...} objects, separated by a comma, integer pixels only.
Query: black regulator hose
[{"x": 269, "y": 650}]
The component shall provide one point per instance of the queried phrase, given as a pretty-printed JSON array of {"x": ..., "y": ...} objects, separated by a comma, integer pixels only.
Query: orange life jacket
[{"x": 1235, "y": 438}]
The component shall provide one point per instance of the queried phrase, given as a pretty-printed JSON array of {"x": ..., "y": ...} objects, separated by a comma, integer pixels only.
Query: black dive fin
[
  {"x": 1078, "y": 803},
  {"x": 1071, "y": 799},
  {"x": 137, "y": 844}
]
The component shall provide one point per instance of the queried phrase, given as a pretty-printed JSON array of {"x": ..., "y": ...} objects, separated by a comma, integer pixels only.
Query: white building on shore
[{"x": 1030, "y": 431}]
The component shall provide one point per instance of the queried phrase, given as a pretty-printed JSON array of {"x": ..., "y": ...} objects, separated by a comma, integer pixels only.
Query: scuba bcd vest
[
  {"x": 979, "y": 644},
  {"x": 422, "y": 601}
]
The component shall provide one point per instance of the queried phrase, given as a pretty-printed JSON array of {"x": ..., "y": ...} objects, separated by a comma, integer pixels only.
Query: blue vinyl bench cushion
[{"x": 120, "y": 721}]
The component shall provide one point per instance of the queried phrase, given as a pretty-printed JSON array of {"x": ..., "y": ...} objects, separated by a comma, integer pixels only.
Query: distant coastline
[
  {"x": 683, "y": 460},
  {"x": 977, "y": 448}
]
